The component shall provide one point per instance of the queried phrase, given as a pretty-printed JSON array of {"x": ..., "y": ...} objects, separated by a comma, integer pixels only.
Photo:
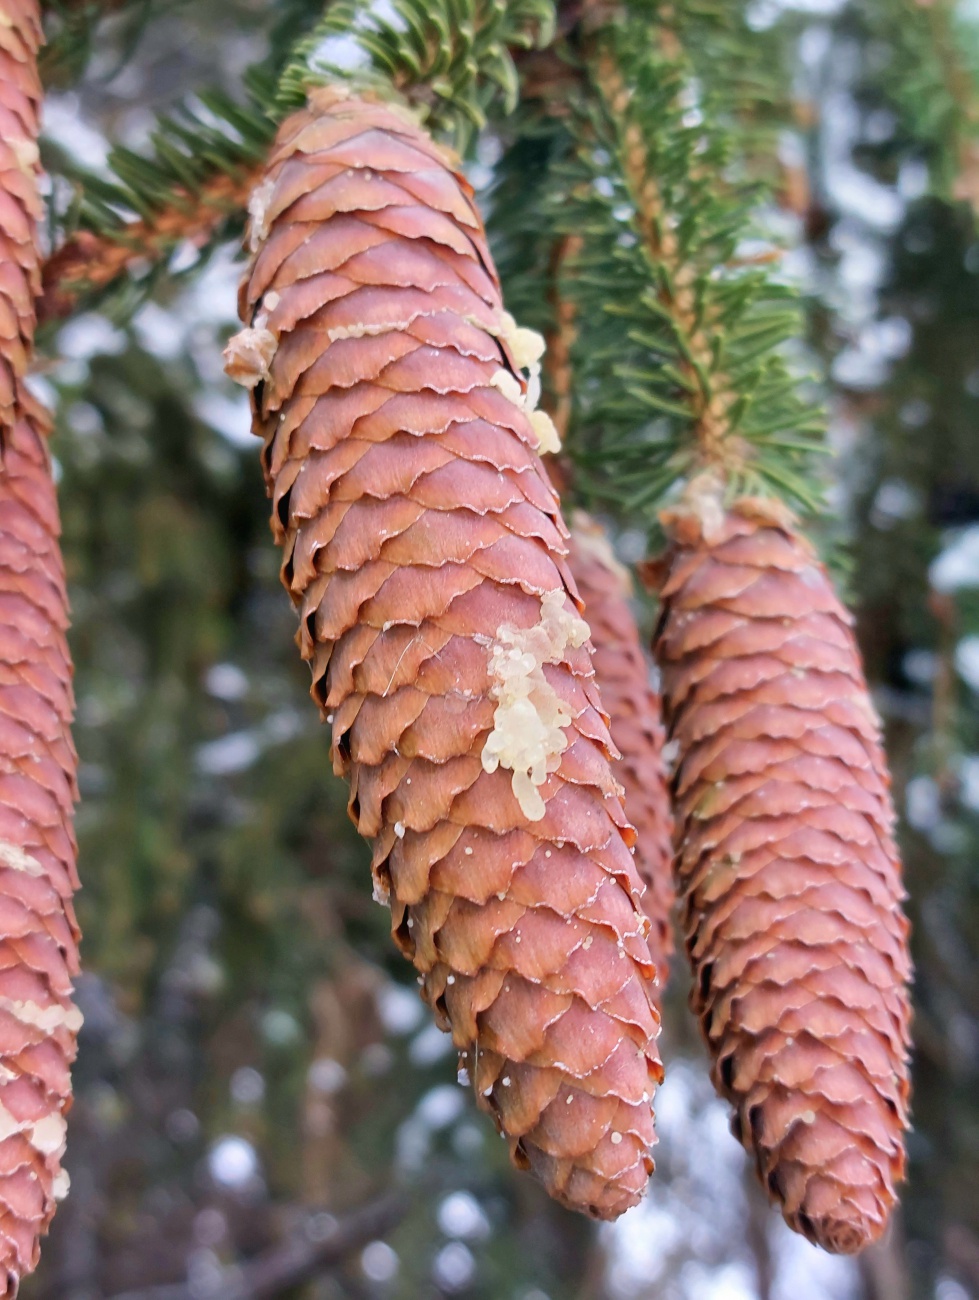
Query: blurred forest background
[{"x": 257, "y": 1075}]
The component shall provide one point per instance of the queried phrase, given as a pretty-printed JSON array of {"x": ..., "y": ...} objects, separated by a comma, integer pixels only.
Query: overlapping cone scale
[
  {"x": 424, "y": 547},
  {"x": 38, "y": 934},
  {"x": 787, "y": 872},
  {"x": 622, "y": 673},
  {"x": 20, "y": 203}
]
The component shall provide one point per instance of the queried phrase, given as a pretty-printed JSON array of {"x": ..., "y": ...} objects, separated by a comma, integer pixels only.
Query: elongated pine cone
[
  {"x": 20, "y": 203},
  {"x": 425, "y": 549},
  {"x": 622, "y": 674},
  {"x": 788, "y": 875},
  {"x": 38, "y": 933}
]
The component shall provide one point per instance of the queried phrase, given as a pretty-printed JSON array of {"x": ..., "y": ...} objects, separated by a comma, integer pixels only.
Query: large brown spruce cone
[
  {"x": 787, "y": 872},
  {"x": 622, "y": 674},
  {"x": 425, "y": 549},
  {"x": 38, "y": 934},
  {"x": 20, "y": 203}
]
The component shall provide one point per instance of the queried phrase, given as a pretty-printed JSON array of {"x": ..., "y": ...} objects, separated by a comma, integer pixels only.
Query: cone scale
[
  {"x": 622, "y": 674},
  {"x": 38, "y": 933},
  {"x": 424, "y": 548},
  {"x": 20, "y": 202},
  {"x": 787, "y": 872}
]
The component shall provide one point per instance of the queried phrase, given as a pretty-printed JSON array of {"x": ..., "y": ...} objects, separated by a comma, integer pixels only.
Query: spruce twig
[
  {"x": 88, "y": 262},
  {"x": 710, "y": 395},
  {"x": 692, "y": 371},
  {"x": 452, "y": 60}
]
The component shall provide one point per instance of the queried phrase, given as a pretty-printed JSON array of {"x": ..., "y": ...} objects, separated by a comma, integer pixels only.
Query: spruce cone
[
  {"x": 787, "y": 871},
  {"x": 20, "y": 203},
  {"x": 425, "y": 549},
  {"x": 38, "y": 934},
  {"x": 622, "y": 674}
]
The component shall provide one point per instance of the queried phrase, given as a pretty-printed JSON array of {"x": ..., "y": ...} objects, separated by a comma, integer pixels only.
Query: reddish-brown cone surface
[
  {"x": 38, "y": 935},
  {"x": 622, "y": 674},
  {"x": 20, "y": 203},
  {"x": 787, "y": 872},
  {"x": 87, "y": 261},
  {"x": 425, "y": 549}
]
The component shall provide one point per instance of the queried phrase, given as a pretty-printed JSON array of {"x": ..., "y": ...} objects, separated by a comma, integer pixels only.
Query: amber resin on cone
[
  {"x": 634, "y": 707},
  {"x": 38, "y": 934},
  {"x": 424, "y": 547},
  {"x": 787, "y": 871}
]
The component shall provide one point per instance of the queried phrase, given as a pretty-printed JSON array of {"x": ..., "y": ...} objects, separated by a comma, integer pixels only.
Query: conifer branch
[
  {"x": 709, "y": 394},
  {"x": 693, "y": 372},
  {"x": 88, "y": 263},
  {"x": 743, "y": 68},
  {"x": 451, "y": 61},
  {"x": 204, "y": 160}
]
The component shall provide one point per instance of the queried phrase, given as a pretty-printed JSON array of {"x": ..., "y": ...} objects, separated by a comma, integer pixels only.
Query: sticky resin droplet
[
  {"x": 248, "y": 356},
  {"x": 528, "y": 724}
]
